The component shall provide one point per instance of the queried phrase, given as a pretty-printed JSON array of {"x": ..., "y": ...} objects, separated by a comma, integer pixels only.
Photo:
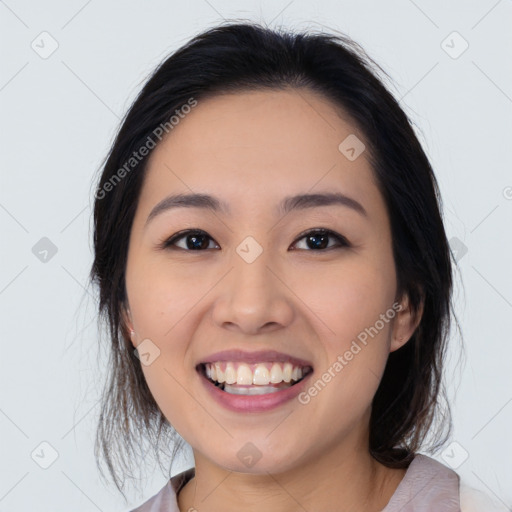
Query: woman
[{"x": 274, "y": 270}]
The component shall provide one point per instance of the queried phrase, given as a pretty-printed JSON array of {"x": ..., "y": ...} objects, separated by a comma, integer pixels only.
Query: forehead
[{"x": 254, "y": 145}]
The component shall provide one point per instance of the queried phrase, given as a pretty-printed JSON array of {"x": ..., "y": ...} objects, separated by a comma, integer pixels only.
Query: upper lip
[{"x": 255, "y": 357}]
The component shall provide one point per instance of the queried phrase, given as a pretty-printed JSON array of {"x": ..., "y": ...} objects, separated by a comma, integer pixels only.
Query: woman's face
[{"x": 254, "y": 281}]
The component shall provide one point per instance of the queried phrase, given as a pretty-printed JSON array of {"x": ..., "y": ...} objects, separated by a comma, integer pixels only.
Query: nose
[{"x": 253, "y": 298}]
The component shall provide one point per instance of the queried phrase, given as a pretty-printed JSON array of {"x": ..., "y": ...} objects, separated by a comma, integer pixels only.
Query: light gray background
[{"x": 58, "y": 117}]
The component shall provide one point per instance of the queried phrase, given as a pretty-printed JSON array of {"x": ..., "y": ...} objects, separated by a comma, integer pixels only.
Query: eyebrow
[{"x": 288, "y": 204}]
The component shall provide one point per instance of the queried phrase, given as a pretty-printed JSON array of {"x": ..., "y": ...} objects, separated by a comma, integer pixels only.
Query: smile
[{"x": 240, "y": 378}]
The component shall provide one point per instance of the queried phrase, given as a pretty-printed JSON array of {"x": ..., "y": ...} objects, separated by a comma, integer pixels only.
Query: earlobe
[
  {"x": 406, "y": 322},
  {"x": 127, "y": 324},
  {"x": 397, "y": 342}
]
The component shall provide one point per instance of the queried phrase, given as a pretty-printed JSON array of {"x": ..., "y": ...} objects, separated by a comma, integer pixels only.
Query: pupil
[
  {"x": 318, "y": 241},
  {"x": 198, "y": 242},
  {"x": 318, "y": 245}
]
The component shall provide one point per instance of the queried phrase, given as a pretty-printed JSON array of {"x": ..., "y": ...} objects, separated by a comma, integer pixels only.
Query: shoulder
[
  {"x": 165, "y": 499},
  {"x": 429, "y": 484},
  {"x": 472, "y": 500}
]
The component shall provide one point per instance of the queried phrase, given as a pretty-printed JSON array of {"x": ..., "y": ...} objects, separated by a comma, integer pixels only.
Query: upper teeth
[{"x": 259, "y": 374}]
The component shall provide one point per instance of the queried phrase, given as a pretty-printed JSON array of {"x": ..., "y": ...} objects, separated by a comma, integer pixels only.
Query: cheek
[
  {"x": 160, "y": 295},
  {"x": 353, "y": 303},
  {"x": 162, "y": 302},
  {"x": 168, "y": 386},
  {"x": 348, "y": 298}
]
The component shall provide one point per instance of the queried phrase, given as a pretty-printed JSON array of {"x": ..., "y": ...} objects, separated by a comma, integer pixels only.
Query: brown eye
[
  {"x": 318, "y": 239},
  {"x": 199, "y": 240},
  {"x": 194, "y": 240}
]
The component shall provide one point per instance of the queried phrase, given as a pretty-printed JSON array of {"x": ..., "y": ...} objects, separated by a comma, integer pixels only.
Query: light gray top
[{"x": 427, "y": 485}]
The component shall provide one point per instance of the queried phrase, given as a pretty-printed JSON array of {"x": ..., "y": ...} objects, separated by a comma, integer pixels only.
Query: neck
[{"x": 347, "y": 479}]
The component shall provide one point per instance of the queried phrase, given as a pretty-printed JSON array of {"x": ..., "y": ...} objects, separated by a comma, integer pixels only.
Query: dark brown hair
[{"x": 238, "y": 56}]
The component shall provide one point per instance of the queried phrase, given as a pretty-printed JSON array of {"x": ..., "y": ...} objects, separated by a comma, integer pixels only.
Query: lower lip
[{"x": 254, "y": 403}]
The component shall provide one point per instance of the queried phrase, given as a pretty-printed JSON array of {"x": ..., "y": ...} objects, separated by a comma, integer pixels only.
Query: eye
[
  {"x": 318, "y": 239},
  {"x": 194, "y": 240},
  {"x": 198, "y": 240}
]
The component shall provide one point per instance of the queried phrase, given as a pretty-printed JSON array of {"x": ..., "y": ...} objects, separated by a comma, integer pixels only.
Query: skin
[{"x": 250, "y": 150}]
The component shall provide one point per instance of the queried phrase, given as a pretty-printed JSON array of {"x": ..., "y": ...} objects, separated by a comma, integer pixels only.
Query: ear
[
  {"x": 127, "y": 324},
  {"x": 406, "y": 322}
]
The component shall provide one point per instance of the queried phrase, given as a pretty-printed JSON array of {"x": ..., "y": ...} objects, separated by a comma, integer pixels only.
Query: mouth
[{"x": 244, "y": 378}]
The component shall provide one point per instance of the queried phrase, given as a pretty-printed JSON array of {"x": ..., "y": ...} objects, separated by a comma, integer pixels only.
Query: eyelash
[{"x": 342, "y": 241}]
